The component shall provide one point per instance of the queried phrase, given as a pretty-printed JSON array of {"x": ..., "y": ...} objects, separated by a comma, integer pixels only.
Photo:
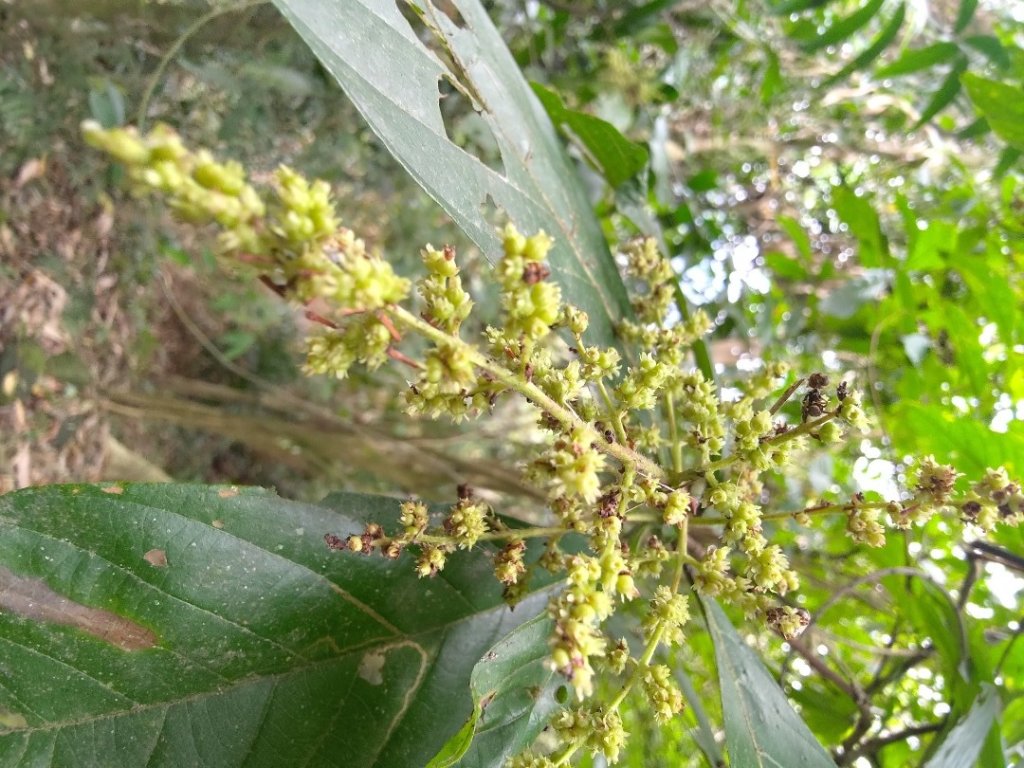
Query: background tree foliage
[{"x": 839, "y": 185}]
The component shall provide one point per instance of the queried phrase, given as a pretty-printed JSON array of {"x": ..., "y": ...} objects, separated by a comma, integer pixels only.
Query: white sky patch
[{"x": 876, "y": 475}]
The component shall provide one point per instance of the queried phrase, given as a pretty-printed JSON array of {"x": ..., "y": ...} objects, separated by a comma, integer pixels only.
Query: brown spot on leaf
[
  {"x": 113, "y": 489},
  {"x": 227, "y": 493},
  {"x": 156, "y": 557},
  {"x": 33, "y": 599}
]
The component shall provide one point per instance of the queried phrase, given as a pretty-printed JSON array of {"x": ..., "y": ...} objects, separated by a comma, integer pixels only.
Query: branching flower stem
[{"x": 530, "y": 391}]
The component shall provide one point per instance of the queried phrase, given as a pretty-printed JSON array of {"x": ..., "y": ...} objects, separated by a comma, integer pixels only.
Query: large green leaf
[
  {"x": 761, "y": 728},
  {"x": 393, "y": 78},
  {"x": 172, "y": 625}
]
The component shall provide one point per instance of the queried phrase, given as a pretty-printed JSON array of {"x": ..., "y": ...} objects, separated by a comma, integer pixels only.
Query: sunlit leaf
[{"x": 1001, "y": 104}]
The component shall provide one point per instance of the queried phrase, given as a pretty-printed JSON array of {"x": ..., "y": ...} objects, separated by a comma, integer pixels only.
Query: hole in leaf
[
  {"x": 464, "y": 126},
  {"x": 468, "y": 129}
]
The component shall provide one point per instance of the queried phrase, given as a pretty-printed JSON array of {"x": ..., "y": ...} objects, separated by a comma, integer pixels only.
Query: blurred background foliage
[{"x": 839, "y": 184}]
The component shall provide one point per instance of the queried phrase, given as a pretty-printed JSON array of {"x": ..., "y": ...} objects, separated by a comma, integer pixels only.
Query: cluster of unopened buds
[{"x": 635, "y": 441}]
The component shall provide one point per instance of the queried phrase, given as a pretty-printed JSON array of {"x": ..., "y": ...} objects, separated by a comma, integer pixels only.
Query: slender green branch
[
  {"x": 673, "y": 432},
  {"x": 613, "y": 416},
  {"x": 802, "y": 429}
]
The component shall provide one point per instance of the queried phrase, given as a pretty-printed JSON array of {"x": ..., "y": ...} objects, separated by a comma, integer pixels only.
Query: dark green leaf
[
  {"x": 990, "y": 47},
  {"x": 975, "y": 130},
  {"x": 843, "y": 28},
  {"x": 514, "y": 692},
  {"x": 918, "y": 59},
  {"x": 392, "y": 78},
  {"x": 963, "y": 744},
  {"x": 878, "y": 45},
  {"x": 964, "y": 14},
  {"x": 761, "y": 728},
  {"x": 945, "y": 94},
  {"x": 703, "y": 734},
  {"x": 613, "y": 155},
  {"x": 634, "y": 20},
  {"x": 1001, "y": 104},
  {"x": 173, "y": 625},
  {"x": 798, "y": 235},
  {"x": 1007, "y": 159}
]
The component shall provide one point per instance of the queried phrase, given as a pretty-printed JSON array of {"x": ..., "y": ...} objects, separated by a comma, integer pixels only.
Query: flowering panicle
[{"x": 639, "y": 446}]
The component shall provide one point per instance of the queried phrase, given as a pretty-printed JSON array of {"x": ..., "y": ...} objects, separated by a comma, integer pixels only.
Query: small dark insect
[
  {"x": 842, "y": 391},
  {"x": 534, "y": 272},
  {"x": 817, "y": 380}
]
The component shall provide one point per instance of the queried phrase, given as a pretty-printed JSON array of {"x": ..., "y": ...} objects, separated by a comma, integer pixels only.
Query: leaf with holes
[
  {"x": 180, "y": 625},
  {"x": 377, "y": 56}
]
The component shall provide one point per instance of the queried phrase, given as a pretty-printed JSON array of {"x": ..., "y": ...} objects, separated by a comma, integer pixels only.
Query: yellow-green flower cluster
[
  {"x": 994, "y": 499},
  {"x": 446, "y": 302},
  {"x": 573, "y": 465},
  {"x": 341, "y": 271},
  {"x": 668, "y": 613},
  {"x": 862, "y": 524},
  {"x": 362, "y": 339},
  {"x": 662, "y": 693},
  {"x": 531, "y": 302},
  {"x": 467, "y": 522},
  {"x": 593, "y": 728},
  {"x": 197, "y": 187}
]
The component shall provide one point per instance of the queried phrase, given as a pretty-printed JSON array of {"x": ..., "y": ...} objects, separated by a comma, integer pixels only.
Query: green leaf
[
  {"x": 875, "y": 49},
  {"x": 945, "y": 94},
  {"x": 761, "y": 728},
  {"x": 798, "y": 235},
  {"x": 843, "y": 28},
  {"x": 1001, "y": 104},
  {"x": 106, "y": 104},
  {"x": 967, "y": 443},
  {"x": 392, "y": 78},
  {"x": 990, "y": 47},
  {"x": 964, "y": 14},
  {"x": 613, "y": 155},
  {"x": 514, "y": 692},
  {"x": 859, "y": 215},
  {"x": 919, "y": 58},
  {"x": 180, "y": 625},
  {"x": 964, "y": 742}
]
